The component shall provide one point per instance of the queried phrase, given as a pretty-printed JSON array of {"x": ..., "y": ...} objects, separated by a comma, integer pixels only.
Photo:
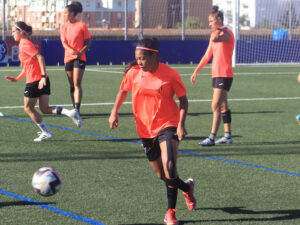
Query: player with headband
[{"x": 159, "y": 121}]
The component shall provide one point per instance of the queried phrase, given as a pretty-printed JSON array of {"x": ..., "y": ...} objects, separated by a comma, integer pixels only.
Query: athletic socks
[
  {"x": 77, "y": 106},
  {"x": 43, "y": 127},
  {"x": 172, "y": 190},
  {"x": 212, "y": 137},
  {"x": 227, "y": 135},
  {"x": 62, "y": 111}
]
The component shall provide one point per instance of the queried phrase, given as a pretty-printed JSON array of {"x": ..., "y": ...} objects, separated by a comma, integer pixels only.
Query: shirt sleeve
[
  {"x": 126, "y": 84},
  {"x": 30, "y": 49},
  {"x": 86, "y": 33},
  {"x": 178, "y": 86}
]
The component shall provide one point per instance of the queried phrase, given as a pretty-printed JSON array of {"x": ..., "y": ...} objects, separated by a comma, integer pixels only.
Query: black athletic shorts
[
  {"x": 32, "y": 91},
  {"x": 151, "y": 145},
  {"x": 222, "y": 83},
  {"x": 76, "y": 63}
]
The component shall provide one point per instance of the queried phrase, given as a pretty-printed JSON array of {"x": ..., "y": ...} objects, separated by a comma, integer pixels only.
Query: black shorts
[
  {"x": 76, "y": 63},
  {"x": 32, "y": 91},
  {"x": 222, "y": 83},
  {"x": 151, "y": 145}
]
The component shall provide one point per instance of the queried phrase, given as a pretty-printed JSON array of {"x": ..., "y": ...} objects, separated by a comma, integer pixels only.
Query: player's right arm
[
  {"x": 64, "y": 42},
  {"x": 113, "y": 119},
  {"x": 15, "y": 79},
  {"x": 205, "y": 59}
]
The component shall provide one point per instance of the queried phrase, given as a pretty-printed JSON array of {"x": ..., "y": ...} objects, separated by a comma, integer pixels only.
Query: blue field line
[
  {"x": 239, "y": 163},
  {"x": 181, "y": 151},
  {"x": 51, "y": 208}
]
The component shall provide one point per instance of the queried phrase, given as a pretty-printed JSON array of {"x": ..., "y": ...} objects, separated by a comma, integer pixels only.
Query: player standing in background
[
  {"x": 76, "y": 40},
  {"x": 159, "y": 122},
  {"x": 221, "y": 45},
  {"x": 37, "y": 81}
]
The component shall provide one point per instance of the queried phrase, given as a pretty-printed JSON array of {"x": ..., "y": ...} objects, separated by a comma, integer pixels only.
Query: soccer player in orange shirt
[
  {"x": 37, "y": 81},
  {"x": 76, "y": 40},
  {"x": 159, "y": 121},
  {"x": 221, "y": 47}
]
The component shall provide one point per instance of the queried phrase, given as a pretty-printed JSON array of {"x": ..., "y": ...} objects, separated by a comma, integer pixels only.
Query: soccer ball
[
  {"x": 46, "y": 181},
  {"x": 298, "y": 118}
]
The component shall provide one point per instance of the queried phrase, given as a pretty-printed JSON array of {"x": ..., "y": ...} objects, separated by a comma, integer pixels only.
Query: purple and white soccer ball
[{"x": 46, "y": 181}]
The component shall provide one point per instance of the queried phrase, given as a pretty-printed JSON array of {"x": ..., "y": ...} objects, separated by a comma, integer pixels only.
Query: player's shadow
[
  {"x": 281, "y": 215},
  {"x": 21, "y": 203},
  {"x": 255, "y": 112}
]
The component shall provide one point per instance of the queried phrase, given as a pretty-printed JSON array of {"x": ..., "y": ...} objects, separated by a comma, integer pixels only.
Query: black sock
[
  {"x": 58, "y": 110},
  {"x": 182, "y": 185},
  {"x": 77, "y": 106},
  {"x": 172, "y": 191}
]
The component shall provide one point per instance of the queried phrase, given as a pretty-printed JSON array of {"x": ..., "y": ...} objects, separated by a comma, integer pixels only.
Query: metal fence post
[
  {"x": 141, "y": 20},
  {"x": 126, "y": 20},
  {"x": 4, "y": 21},
  {"x": 183, "y": 20}
]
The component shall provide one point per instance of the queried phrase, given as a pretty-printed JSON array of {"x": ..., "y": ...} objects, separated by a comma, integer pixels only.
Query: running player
[
  {"x": 37, "y": 81},
  {"x": 76, "y": 40},
  {"x": 221, "y": 47},
  {"x": 159, "y": 121}
]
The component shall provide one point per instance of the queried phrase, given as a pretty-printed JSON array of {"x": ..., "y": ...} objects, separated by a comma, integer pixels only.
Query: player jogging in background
[
  {"x": 76, "y": 40},
  {"x": 159, "y": 121},
  {"x": 221, "y": 45},
  {"x": 37, "y": 81}
]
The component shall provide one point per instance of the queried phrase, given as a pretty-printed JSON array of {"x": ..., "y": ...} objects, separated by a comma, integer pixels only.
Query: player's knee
[
  {"x": 72, "y": 89},
  {"x": 171, "y": 168},
  {"x": 226, "y": 116}
]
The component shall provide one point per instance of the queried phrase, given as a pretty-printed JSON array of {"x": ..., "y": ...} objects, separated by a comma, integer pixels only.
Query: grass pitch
[{"x": 108, "y": 181}]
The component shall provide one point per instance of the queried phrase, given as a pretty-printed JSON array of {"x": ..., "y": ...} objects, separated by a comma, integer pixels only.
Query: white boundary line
[{"x": 191, "y": 100}]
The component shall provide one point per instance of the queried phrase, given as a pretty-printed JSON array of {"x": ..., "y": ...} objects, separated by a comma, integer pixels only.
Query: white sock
[
  {"x": 43, "y": 127},
  {"x": 66, "y": 112}
]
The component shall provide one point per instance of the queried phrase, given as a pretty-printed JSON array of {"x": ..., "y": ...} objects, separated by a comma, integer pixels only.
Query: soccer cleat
[
  {"x": 43, "y": 136},
  {"x": 207, "y": 142},
  {"x": 224, "y": 140},
  {"x": 170, "y": 218},
  {"x": 298, "y": 118},
  {"x": 75, "y": 116},
  {"x": 190, "y": 199}
]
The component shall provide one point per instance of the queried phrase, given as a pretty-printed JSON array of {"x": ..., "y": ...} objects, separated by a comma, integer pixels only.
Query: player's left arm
[
  {"x": 85, "y": 47},
  {"x": 42, "y": 64},
  {"x": 183, "y": 108},
  {"x": 220, "y": 35}
]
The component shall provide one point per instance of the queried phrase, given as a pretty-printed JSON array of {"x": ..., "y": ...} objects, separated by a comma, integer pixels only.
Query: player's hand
[
  {"x": 42, "y": 83},
  {"x": 113, "y": 121},
  {"x": 79, "y": 55},
  {"x": 73, "y": 52},
  {"x": 11, "y": 79},
  {"x": 193, "y": 77},
  {"x": 181, "y": 132}
]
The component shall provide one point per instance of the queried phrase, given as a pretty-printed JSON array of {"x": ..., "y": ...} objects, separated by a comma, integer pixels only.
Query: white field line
[
  {"x": 190, "y": 101},
  {"x": 203, "y": 74}
]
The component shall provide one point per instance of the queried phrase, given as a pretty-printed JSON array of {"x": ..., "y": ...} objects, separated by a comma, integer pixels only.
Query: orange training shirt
[
  {"x": 222, "y": 57},
  {"x": 153, "y": 103},
  {"x": 74, "y": 35},
  {"x": 30, "y": 64}
]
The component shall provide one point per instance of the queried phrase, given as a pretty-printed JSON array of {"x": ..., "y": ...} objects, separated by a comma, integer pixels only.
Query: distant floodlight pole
[
  {"x": 290, "y": 20},
  {"x": 235, "y": 27},
  {"x": 141, "y": 20},
  {"x": 4, "y": 21},
  {"x": 182, "y": 19},
  {"x": 126, "y": 20}
]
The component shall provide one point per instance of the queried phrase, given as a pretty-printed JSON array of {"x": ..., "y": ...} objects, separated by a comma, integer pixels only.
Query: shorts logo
[
  {"x": 25, "y": 92},
  {"x": 221, "y": 84}
]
